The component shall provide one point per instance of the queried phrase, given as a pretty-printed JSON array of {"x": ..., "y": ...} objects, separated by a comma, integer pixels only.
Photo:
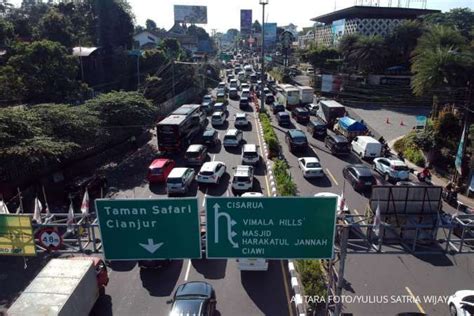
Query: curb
[
  {"x": 268, "y": 162},
  {"x": 296, "y": 289}
]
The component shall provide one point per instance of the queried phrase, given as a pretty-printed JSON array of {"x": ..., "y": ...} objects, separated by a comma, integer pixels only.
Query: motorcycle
[
  {"x": 386, "y": 151},
  {"x": 422, "y": 178},
  {"x": 450, "y": 197}
]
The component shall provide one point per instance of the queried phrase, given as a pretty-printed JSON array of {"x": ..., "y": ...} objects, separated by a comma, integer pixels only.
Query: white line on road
[
  {"x": 332, "y": 177},
  {"x": 213, "y": 157},
  {"x": 186, "y": 276}
]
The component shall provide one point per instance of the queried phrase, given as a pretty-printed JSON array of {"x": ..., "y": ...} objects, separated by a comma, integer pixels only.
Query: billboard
[
  {"x": 190, "y": 14},
  {"x": 245, "y": 22},
  {"x": 270, "y": 31},
  {"x": 338, "y": 30},
  {"x": 330, "y": 83}
]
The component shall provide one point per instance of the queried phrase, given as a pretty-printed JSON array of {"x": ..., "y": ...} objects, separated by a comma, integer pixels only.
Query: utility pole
[
  {"x": 262, "y": 94},
  {"x": 342, "y": 263}
]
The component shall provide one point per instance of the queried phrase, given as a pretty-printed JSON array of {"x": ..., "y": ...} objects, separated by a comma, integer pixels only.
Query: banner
[
  {"x": 460, "y": 153},
  {"x": 190, "y": 14},
  {"x": 338, "y": 30},
  {"x": 270, "y": 31},
  {"x": 245, "y": 22}
]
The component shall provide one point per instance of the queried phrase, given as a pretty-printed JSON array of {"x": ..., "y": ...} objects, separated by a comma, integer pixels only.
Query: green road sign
[
  {"x": 149, "y": 229},
  {"x": 271, "y": 228}
]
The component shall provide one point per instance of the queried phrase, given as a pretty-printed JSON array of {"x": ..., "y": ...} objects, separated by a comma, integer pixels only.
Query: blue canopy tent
[{"x": 349, "y": 127}]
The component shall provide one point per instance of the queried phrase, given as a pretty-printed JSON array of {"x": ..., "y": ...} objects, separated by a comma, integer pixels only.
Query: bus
[
  {"x": 179, "y": 127},
  {"x": 288, "y": 95}
]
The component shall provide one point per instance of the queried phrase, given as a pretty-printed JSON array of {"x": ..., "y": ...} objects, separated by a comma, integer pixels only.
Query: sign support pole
[{"x": 342, "y": 262}]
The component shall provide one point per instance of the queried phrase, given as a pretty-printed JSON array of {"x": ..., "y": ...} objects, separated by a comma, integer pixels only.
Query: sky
[{"x": 225, "y": 14}]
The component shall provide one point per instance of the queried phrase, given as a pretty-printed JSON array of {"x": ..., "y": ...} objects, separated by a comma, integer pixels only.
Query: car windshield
[
  {"x": 241, "y": 179},
  {"x": 400, "y": 168},
  {"x": 313, "y": 165},
  {"x": 250, "y": 154},
  {"x": 229, "y": 137},
  {"x": 299, "y": 139},
  {"x": 156, "y": 171},
  {"x": 206, "y": 173},
  {"x": 185, "y": 306},
  {"x": 366, "y": 178},
  {"x": 192, "y": 154}
]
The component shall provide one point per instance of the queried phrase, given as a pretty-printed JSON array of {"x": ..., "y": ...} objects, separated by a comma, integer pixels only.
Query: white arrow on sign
[{"x": 151, "y": 246}]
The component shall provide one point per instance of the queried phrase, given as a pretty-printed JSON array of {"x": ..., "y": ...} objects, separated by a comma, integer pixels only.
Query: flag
[
  {"x": 37, "y": 212},
  {"x": 460, "y": 153},
  {"x": 70, "y": 218},
  {"x": 342, "y": 203},
  {"x": 3, "y": 208},
  {"x": 377, "y": 220},
  {"x": 85, "y": 204},
  {"x": 19, "y": 210}
]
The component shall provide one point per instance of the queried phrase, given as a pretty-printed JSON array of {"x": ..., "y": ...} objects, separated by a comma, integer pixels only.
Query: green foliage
[
  {"x": 115, "y": 25},
  {"x": 320, "y": 57},
  {"x": 285, "y": 184},
  {"x": 46, "y": 72},
  {"x": 257, "y": 27},
  {"x": 123, "y": 109},
  {"x": 370, "y": 53},
  {"x": 462, "y": 19},
  {"x": 402, "y": 41},
  {"x": 150, "y": 25},
  {"x": 172, "y": 48},
  {"x": 415, "y": 155},
  {"x": 55, "y": 27},
  {"x": 312, "y": 277},
  {"x": 6, "y": 32},
  {"x": 400, "y": 145}
]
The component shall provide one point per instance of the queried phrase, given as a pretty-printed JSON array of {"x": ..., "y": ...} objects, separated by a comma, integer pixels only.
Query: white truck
[
  {"x": 306, "y": 94},
  {"x": 65, "y": 287}
]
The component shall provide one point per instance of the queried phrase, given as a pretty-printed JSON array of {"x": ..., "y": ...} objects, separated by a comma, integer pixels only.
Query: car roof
[
  {"x": 241, "y": 115},
  {"x": 218, "y": 113},
  {"x": 252, "y": 194},
  {"x": 158, "y": 163},
  {"x": 194, "y": 288},
  {"x": 233, "y": 89},
  {"x": 362, "y": 170},
  {"x": 208, "y": 96},
  {"x": 209, "y": 132},
  {"x": 283, "y": 114},
  {"x": 220, "y": 93},
  {"x": 318, "y": 121},
  {"x": 177, "y": 172},
  {"x": 219, "y": 104},
  {"x": 296, "y": 132},
  {"x": 210, "y": 165},
  {"x": 232, "y": 131},
  {"x": 310, "y": 159},
  {"x": 188, "y": 306},
  {"x": 250, "y": 147},
  {"x": 396, "y": 162},
  {"x": 339, "y": 138},
  {"x": 299, "y": 109},
  {"x": 243, "y": 171},
  {"x": 195, "y": 147}
]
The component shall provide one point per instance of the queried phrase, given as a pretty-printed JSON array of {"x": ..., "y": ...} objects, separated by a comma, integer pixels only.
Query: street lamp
[{"x": 262, "y": 95}]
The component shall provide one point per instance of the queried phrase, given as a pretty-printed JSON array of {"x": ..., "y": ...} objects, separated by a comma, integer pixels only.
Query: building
[
  {"x": 363, "y": 20},
  {"x": 293, "y": 29},
  {"x": 306, "y": 38},
  {"x": 147, "y": 39}
]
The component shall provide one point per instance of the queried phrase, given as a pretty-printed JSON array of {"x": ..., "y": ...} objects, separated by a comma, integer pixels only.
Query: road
[
  {"x": 132, "y": 291},
  {"x": 377, "y": 275}
]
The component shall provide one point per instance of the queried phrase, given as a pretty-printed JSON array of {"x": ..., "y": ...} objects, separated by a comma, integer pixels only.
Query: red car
[{"x": 160, "y": 169}]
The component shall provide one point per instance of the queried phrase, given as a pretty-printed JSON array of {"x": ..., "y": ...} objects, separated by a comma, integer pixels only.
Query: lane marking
[
  {"x": 213, "y": 157},
  {"x": 332, "y": 177},
  {"x": 186, "y": 276},
  {"x": 414, "y": 299},
  {"x": 269, "y": 192},
  {"x": 287, "y": 291}
]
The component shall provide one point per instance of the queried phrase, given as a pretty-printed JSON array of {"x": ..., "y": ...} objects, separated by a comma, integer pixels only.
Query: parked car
[
  {"x": 317, "y": 128},
  {"x": 233, "y": 138},
  {"x": 241, "y": 120},
  {"x": 244, "y": 103},
  {"x": 461, "y": 303},
  {"x": 283, "y": 119},
  {"x": 300, "y": 114},
  {"x": 179, "y": 180},
  {"x": 210, "y": 137},
  {"x": 277, "y": 107},
  {"x": 366, "y": 147},
  {"x": 196, "y": 154},
  {"x": 252, "y": 194},
  {"x": 312, "y": 108},
  {"x": 243, "y": 178},
  {"x": 337, "y": 144},
  {"x": 194, "y": 298},
  {"x": 159, "y": 170},
  {"x": 233, "y": 93},
  {"x": 310, "y": 167},
  {"x": 211, "y": 172},
  {"x": 392, "y": 169},
  {"x": 218, "y": 118},
  {"x": 250, "y": 154},
  {"x": 359, "y": 176},
  {"x": 296, "y": 140}
]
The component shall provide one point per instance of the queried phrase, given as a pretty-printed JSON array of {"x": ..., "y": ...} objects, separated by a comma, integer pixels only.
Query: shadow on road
[
  {"x": 161, "y": 282},
  {"x": 158, "y": 188},
  {"x": 103, "y": 306},
  {"x": 323, "y": 181},
  {"x": 440, "y": 260},
  {"x": 220, "y": 188},
  {"x": 266, "y": 289},
  {"x": 211, "y": 269},
  {"x": 121, "y": 265}
]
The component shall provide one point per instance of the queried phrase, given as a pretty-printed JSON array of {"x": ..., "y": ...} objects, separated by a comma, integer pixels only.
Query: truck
[
  {"x": 64, "y": 287},
  {"x": 330, "y": 110},
  {"x": 306, "y": 94}
]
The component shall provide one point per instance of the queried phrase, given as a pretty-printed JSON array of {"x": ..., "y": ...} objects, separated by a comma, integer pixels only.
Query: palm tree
[
  {"x": 402, "y": 41},
  {"x": 346, "y": 48},
  {"x": 370, "y": 54}
]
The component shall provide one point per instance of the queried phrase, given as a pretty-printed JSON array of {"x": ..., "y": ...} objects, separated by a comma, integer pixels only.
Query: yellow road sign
[{"x": 16, "y": 236}]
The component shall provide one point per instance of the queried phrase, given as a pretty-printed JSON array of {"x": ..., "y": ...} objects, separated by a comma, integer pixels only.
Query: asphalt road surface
[{"x": 132, "y": 291}]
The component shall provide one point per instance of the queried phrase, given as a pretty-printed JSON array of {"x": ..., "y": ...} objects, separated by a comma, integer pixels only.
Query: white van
[{"x": 366, "y": 147}]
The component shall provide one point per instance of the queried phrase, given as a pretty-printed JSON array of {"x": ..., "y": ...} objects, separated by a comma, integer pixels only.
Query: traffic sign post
[
  {"x": 136, "y": 229},
  {"x": 16, "y": 236},
  {"x": 49, "y": 238},
  {"x": 271, "y": 228}
]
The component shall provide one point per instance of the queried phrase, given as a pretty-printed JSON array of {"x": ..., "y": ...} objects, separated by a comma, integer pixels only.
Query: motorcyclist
[
  {"x": 451, "y": 191},
  {"x": 425, "y": 174},
  {"x": 401, "y": 156}
]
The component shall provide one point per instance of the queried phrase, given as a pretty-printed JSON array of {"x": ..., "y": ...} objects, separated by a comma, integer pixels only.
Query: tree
[
  {"x": 5, "y": 6},
  {"x": 199, "y": 32},
  {"x": 257, "y": 27},
  {"x": 370, "y": 53},
  {"x": 461, "y": 19},
  {"x": 347, "y": 46},
  {"x": 403, "y": 40},
  {"x": 321, "y": 57},
  {"x": 150, "y": 25},
  {"x": 55, "y": 27},
  {"x": 47, "y": 71},
  {"x": 6, "y": 32},
  {"x": 172, "y": 48},
  {"x": 153, "y": 60}
]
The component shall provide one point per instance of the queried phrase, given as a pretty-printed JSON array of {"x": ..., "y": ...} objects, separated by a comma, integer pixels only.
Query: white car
[
  {"x": 241, "y": 120},
  {"x": 252, "y": 194},
  {"x": 218, "y": 118},
  {"x": 211, "y": 172},
  {"x": 342, "y": 207},
  {"x": 461, "y": 303},
  {"x": 250, "y": 154},
  {"x": 243, "y": 178},
  {"x": 392, "y": 169},
  {"x": 310, "y": 167}
]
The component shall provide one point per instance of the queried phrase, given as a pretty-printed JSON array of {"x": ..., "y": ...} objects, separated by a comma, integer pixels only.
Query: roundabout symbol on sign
[{"x": 50, "y": 239}]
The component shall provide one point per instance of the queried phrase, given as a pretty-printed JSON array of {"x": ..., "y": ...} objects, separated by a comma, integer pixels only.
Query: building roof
[
  {"x": 83, "y": 51},
  {"x": 369, "y": 12}
]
